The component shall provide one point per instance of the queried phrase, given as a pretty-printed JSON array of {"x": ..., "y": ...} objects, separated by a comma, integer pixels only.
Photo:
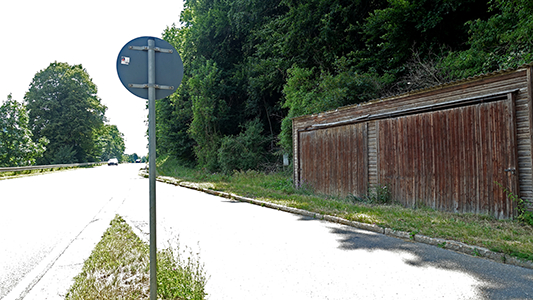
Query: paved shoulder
[{"x": 252, "y": 252}]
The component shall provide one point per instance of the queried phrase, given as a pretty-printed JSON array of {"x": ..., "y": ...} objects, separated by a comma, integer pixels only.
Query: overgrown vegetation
[
  {"x": 16, "y": 145},
  {"x": 506, "y": 236},
  {"x": 15, "y": 174},
  {"x": 378, "y": 194},
  {"x": 268, "y": 61},
  {"x": 522, "y": 214},
  {"x": 118, "y": 268}
]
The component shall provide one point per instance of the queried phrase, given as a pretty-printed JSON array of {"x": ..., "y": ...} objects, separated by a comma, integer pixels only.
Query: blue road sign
[{"x": 132, "y": 67}]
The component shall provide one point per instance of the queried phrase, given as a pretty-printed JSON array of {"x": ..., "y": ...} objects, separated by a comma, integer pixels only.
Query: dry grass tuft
[{"x": 119, "y": 268}]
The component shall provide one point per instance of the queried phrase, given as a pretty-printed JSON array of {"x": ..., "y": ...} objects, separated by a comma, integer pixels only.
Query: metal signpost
[{"x": 152, "y": 69}]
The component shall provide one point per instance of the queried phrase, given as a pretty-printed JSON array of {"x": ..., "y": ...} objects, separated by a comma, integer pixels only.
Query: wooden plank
[
  {"x": 347, "y": 159},
  {"x": 458, "y": 159},
  {"x": 325, "y": 160},
  {"x": 372, "y": 153},
  {"x": 514, "y": 152},
  {"x": 418, "y": 138},
  {"x": 414, "y": 158},
  {"x": 486, "y": 144},
  {"x": 378, "y": 154},
  {"x": 431, "y": 143},
  {"x": 304, "y": 160},
  {"x": 443, "y": 162},
  {"x": 400, "y": 171},
  {"x": 297, "y": 154},
  {"x": 429, "y": 162},
  {"x": 451, "y": 203},
  {"x": 331, "y": 188},
  {"x": 448, "y": 154},
  {"x": 499, "y": 129},
  {"x": 364, "y": 159},
  {"x": 470, "y": 164},
  {"x": 530, "y": 127}
]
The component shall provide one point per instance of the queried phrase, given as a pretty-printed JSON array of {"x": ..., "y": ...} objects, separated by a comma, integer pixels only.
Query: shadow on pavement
[{"x": 500, "y": 281}]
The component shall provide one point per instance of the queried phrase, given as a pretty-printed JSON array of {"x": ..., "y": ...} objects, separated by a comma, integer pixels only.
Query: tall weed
[{"x": 522, "y": 214}]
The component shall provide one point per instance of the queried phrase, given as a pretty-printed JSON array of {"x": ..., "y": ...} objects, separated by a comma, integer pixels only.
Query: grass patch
[
  {"x": 505, "y": 236},
  {"x": 17, "y": 174},
  {"x": 119, "y": 268},
  {"x": 25, "y": 173}
]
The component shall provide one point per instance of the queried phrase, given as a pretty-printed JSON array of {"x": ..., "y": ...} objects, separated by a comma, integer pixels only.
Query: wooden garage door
[
  {"x": 334, "y": 160},
  {"x": 452, "y": 159}
]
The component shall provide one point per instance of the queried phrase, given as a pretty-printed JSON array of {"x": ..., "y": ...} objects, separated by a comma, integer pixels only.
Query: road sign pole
[
  {"x": 132, "y": 68},
  {"x": 152, "y": 168}
]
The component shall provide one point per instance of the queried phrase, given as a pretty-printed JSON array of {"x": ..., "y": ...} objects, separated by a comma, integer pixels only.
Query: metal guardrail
[{"x": 41, "y": 167}]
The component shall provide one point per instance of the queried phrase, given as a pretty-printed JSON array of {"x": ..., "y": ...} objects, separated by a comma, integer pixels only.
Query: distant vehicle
[
  {"x": 112, "y": 162},
  {"x": 138, "y": 161}
]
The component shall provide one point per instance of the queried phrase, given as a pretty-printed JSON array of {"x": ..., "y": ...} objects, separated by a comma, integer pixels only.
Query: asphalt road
[
  {"x": 248, "y": 251},
  {"x": 41, "y": 215}
]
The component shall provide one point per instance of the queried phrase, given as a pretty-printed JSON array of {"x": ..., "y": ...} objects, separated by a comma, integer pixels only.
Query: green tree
[
  {"x": 208, "y": 112},
  {"x": 499, "y": 42},
  {"x": 174, "y": 113},
  {"x": 64, "y": 155},
  {"x": 64, "y": 107},
  {"x": 269, "y": 61},
  {"x": 306, "y": 57},
  {"x": 244, "y": 151},
  {"x": 393, "y": 33},
  {"x": 174, "y": 116},
  {"x": 131, "y": 158},
  {"x": 16, "y": 145},
  {"x": 314, "y": 33},
  {"x": 217, "y": 33},
  {"x": 211, "y": 37},
  {"x": 307, "y": 93},
  {"x": 110, "y": 142}
]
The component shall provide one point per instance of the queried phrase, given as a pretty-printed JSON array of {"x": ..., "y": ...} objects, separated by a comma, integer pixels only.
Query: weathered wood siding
[
  {"x": 335, "y": 160},
  {"x": 451, "y": 159},
  {"x": 444, "y": 147}
]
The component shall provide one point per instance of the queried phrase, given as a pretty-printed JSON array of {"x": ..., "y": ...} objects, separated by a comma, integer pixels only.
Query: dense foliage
[
  {"x": 110, "y": 141},
  {"x": 16, "y": 145},
  {"x": 252, "y": 65},
  {"x": 64, "y": 108},
  {"x": 133, "y": 158}
]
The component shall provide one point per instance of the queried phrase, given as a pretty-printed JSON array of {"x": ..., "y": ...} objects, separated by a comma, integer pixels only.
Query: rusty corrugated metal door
[
  {"x": 452, "y": 159},
  {"x": 334, "y": 161}
]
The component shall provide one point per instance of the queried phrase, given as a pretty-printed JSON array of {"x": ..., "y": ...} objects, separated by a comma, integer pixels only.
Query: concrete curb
[{"x": 414, "y": 237}]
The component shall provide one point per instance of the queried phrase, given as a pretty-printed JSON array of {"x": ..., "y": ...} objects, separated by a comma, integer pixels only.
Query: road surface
[{"x": 249, "y": 252}]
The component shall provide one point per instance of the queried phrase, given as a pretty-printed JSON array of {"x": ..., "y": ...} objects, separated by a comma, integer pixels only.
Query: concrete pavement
[
  {"x": 43, "y": 218},
  {"x": 251, "y": 252}
]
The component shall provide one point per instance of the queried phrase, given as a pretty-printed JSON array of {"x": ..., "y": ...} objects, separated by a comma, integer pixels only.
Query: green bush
[
  {"x": 522, "y": 214},
  {"x": 379, "y": 194},
  {"x": 245, "y": 151}
]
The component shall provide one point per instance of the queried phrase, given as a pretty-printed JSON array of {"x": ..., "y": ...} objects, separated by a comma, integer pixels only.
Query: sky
[{"x": 36, "y": 33}]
